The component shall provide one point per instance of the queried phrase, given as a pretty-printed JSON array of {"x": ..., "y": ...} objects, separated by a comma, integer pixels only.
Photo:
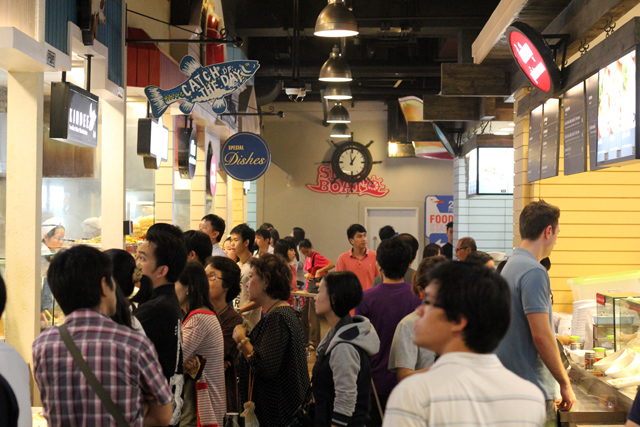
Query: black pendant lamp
[{"x": 336, "y": 20}]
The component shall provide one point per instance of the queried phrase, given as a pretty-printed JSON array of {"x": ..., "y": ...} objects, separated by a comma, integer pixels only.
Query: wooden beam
[
  {"x": 609, "y": 50},
  {"x": 486, "y": 140},
  {"x": 421, "y": 131},
  {"x": 474, "y": 80},
  {"x": 440, "y": 108}
]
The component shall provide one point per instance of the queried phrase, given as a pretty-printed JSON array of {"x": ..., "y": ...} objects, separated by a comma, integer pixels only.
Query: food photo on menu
[{"x": 617, "y": 109}]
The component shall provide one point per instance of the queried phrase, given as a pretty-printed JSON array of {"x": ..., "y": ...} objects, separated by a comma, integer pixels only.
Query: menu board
[
  {"x": 535, "y": 142},
  {"x": 472, "y": 167},
  {"x": 617, "y": 111},
  {"x": 550, "y": 139},
  {"x": 495, "y": 170},
  {"x": 591, "y": 88},
  {"x": 575, "y": 155}
]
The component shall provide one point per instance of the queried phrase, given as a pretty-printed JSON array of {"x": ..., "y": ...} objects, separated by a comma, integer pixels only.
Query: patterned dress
[{"x": 279, "y": 367}]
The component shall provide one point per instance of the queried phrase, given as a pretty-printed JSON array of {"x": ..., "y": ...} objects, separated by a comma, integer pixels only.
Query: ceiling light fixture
[
  {"x": 338, "y": 114},
  {"x": 336, "y": 68},
  {"x": 336, "y": 20},
  {"x": 337, "y": 92},
  {"x": 340, "y": 130}
]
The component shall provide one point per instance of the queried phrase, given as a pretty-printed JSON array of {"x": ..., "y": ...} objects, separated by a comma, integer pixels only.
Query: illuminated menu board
[
  {"x": 591, "y": 88},
  {"x": 617, "y": 111},
  {"x": 472, "y": 167},
  {"x": 495, "y": 170},
  {"x": 535, "y": 142},
  {"x": 575, "y": 141},
  {"x": 550, "y": 139}
]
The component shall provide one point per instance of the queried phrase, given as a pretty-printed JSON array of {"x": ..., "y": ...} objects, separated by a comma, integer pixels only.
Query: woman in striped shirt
[{"x": 202, "y": 339}]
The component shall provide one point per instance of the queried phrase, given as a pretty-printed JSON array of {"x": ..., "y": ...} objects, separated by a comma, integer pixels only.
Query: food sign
[
  {"x": 533, "y": 56},
  {"x": 327, "y": 182},
  {"x": 438, "y": 213},
  {"x": 245, "y": 156}
]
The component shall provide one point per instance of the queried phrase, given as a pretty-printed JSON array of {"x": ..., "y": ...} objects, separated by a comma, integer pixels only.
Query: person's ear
[
  {"x": 246, "y": 243},
  {"x": 191, "y": 256},
  {"x": 548, "y": 232},
  {"x": 105, "y": 287},
  {"x": 162, "y": 271},
  {"x": 351, "y": 241},
  {"x": 459, "y": 325},
  {"x": 215, "y": 234}
]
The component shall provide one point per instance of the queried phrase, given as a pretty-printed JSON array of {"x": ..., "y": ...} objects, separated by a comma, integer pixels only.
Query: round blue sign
[{"x": 245, "y": 156}]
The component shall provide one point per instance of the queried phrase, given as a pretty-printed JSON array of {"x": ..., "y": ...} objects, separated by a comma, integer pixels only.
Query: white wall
[
  {"x": 488, "y": 219},
  {"x": 299, "y": 143}
]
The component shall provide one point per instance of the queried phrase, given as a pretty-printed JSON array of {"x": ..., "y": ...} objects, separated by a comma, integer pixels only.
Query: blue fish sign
[{"x": 205, "y": 84}]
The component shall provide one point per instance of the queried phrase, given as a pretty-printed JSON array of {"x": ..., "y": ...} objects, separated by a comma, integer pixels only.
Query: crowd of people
[{"x": 199, "y": 327}]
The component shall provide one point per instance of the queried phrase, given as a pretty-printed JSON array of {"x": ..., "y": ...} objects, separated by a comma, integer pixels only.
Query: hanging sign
[
  {"x": 153, "y": 142},
  {"x": 438, "y": 213},
  {"x": 204, "y": 85},
  {"x": 187, "y": 152},
  {"x": 245, "y": 156},
  {"x": 533, "y": 56},
  {"x": 213, "y": 174},
  {"x": 327, "y": 182},
  {"x": 74, "y": 115}
]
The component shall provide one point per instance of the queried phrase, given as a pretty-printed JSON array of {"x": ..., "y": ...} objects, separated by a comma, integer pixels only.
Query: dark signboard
[
  {"x": 245, "y": 156},
  {"x": 550, "y": 139},
  {"x": 591, "y": 89},
  {"x": 575, "y": 138},
  {"x": 74, "y": 115},
  {"x": 153, "y": 142},
  {"x": 535, "y": 143},
  {"x": 187, "y": 152}
]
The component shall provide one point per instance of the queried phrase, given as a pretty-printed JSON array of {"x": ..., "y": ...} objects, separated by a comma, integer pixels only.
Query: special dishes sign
[{"x": 245, "y": 156}]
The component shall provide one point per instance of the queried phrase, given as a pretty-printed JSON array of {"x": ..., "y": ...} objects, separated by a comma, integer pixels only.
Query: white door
[{"x": 403, "y": 220}]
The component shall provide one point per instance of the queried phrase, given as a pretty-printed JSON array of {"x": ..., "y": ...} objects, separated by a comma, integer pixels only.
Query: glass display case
[{"x": 617, "y": 320}]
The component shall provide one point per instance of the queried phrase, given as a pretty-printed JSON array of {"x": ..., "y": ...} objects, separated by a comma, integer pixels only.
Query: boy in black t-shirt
[{"x": 163, "y": 258}]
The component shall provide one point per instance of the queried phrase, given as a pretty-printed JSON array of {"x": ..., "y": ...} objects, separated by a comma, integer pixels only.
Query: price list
[
  {"x": 535, "y": 144},
  {"x": 550, "y": 139},
  {"x": 575, "y": 156},
  {"x": 591, "y": 86}
]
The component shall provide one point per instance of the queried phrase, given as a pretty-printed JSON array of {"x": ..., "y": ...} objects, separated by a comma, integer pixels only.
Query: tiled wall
[{"x": 488, "y": 219}]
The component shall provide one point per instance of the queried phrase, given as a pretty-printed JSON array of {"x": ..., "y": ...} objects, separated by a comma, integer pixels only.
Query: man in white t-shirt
[
  {"x": 213, "y": 226},
  {"x": 464, "y": 316}
]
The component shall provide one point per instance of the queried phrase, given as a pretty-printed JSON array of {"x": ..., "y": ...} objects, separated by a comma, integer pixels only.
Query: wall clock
[{"x": 352, "y": 162}]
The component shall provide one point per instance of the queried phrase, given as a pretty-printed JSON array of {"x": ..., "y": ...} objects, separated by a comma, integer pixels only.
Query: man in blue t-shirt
[{"x": 529, "y": 349}]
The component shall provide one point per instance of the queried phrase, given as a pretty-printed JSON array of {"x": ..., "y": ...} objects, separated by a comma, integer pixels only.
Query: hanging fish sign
[{"x": 204, "y": 85}]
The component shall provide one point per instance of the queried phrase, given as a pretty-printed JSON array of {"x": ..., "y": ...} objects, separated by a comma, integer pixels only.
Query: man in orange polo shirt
[{"x": 359, "y": 260}]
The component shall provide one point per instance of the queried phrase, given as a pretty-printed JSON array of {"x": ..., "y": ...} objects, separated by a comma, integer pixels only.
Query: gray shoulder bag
[{"x": 91, "y": 378}]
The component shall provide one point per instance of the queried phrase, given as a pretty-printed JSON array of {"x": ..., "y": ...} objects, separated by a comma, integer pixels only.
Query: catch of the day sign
[
  {"x": 205, "y": 84},
  {"x": 245, "y": 156}
]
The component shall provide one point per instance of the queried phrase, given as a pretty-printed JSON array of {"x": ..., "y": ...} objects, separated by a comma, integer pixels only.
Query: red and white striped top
[{"x": 202, "y": 335}]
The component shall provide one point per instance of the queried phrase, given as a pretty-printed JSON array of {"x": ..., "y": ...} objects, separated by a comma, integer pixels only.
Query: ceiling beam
[
  {"x": 451, "y": 109},
  {"x": 475, "y": 80},
  {"x": 421, "y": 131},
  {"x": 607, "y": 51},
  {"x": 494, "y": 29}
]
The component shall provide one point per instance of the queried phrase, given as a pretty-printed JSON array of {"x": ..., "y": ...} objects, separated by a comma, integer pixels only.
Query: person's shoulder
[
  {"x": 408, "y": 321},
  {"x": 518, "y": 384},
  {"x": 50, "y": 334},
  {"x": 10, "y": 356}
]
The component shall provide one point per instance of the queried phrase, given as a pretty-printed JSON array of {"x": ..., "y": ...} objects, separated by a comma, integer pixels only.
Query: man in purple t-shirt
[{"x": 385, "y": 306}]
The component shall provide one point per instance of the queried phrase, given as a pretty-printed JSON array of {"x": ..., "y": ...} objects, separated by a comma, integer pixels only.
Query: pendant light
[
  {"x": 336, "y": 20},
  {"x": 340, "y": 130},
  {"x": 337, "y": 92},
  {"x": 338, "y": 114},
  {"x": 335, "y": 69}
]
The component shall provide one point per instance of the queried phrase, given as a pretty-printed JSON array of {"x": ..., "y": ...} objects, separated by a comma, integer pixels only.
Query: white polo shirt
[{"x": 465, "y": 389}]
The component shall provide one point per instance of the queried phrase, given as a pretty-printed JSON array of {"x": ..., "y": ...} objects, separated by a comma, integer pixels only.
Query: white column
[
  {"x": 113, "y": 173},
  {"x": 198, "y": 192},
  {"x": 24, "y": 209}
]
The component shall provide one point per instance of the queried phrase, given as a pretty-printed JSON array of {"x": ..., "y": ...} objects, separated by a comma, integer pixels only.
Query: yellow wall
[{"x": 599, "y": 227}]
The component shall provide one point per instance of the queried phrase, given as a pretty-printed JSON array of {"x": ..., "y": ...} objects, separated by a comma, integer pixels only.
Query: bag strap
[
  {"x": 91, "y": 378},
  {"x": 375, "y": 393}
]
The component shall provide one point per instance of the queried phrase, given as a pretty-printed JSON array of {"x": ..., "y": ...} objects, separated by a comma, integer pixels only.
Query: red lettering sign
[{"x": 327, "y": 183}]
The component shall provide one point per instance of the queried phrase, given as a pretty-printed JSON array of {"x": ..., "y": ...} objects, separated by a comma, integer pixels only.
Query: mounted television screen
[
  {"x": 617, "y": 111},
  {"x": 490, "y": 171},
  {"x": 472, "y": 174}
]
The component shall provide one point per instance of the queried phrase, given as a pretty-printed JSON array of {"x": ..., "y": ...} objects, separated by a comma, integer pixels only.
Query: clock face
[{"x": 351, "y": 162}]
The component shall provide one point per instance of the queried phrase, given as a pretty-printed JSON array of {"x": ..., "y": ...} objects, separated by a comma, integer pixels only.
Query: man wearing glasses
[{"x": 465, "y": 246}]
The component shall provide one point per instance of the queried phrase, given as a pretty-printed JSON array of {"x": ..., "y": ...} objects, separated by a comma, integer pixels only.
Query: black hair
[
  {"x": 353, "y": 229},
  {"x": 217, "y": 224},
  {"x": 449, "y": 225},
  {"x": 546, "y": 262},
  {"x": 264, "y": 233},
  {"x": 198, "y": 242},
  {"x": 276, "y": 273},
  {"x": 195, "y": 280},
  {"x": 345, "y": 291},
  {"x": 246, "y": 233},
  {"x": 305, "y": 243},
  {"x": 478, "y": 257},
  {"x": 293, "y": 245},
  {"x": 145, "y": 292},
  {"x": 75, "y": 277},
  {"x": 3, "y": 296},
  {"x": 166, "y": 228},
  {"x": 421, "y": 276},
  {"x": 461, "y": 286},
  {"x": 230, "y": 275},
  {"x": 413, "y": 243},
  {"x": 282, "y": 249},
  {"x": 298, "y": 234},
  {"x": 52, "y": 232},
  {"x": 394, "y": 256},
  {"x": 386, "y": 232},
  {"x": 168, "y": 250},
  {"x": 275, "y": 236},
  {"x": 536, "y": 217},
  {"x": 500, "y": 266},
  {"x": 267, "y": 225},
  {"x": 123, "y": 268},
  {"x": 432, "y": 249}
]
